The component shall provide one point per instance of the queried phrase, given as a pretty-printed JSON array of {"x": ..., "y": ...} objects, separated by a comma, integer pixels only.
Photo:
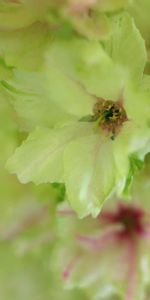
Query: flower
[
  {"x": 88, "y": 18},
  {"x": 102, "y": 138},
  {"x": 107, "y": 256}
]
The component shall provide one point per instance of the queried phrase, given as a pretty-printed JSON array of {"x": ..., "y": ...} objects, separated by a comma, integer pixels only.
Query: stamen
[
  {"x": 70, "y": 267},
  {"x": 98, "y": 243},
  {"x": 109, "y": 116},
  {"x": 131, "y": 218}
]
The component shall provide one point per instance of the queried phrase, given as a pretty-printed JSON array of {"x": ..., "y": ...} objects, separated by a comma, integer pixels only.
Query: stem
[{"x": 98, "y": 122}]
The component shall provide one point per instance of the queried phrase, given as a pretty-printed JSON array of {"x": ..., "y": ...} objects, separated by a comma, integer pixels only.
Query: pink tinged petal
[
  {"x": 41, "y": 240},
  {"x": 66, "y": 212},
  {"x": 107, "y": 216},
  {"x": 146, "y": 234},
  {"x": 132, "y": 269},
  {"x": 29, "y": 221},
  {"x": 70, "y": 267},
  {"x": 78, "y": 7},
  {"x": 147, "y": 224},
  {"x": 98, "y": 243}
]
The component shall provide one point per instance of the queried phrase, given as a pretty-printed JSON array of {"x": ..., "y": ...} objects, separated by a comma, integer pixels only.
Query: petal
[
  {"x": 137, "y": 103},
  {"x": 129, "y": 149},
  {"x": 89, "y": 174},
  {"x": 39, "y": 158},
  {"x": 86, "y": 62},
  {"x": 112, "y": 5},
  {"x": 24, "y": 48},
  {"x": 17, "y": 14},
  {"x": 140, "y": 12},
  {"x": 65, "y": 91},
  {"x": 124, "y": 41},
  {"x": 33, "y": 102},
  {"x": 141, "y": 185}
]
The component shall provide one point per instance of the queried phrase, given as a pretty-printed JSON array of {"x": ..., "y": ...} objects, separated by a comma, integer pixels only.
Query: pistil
[{"x": 109, "y": 116}]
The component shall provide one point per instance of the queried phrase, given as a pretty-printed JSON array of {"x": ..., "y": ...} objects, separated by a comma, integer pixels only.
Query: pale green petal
[
  {"x": 95, "y": 26},
  {"x": 126, "y": 46},
  {"x": 24, "y": 48},
  {"x": 141, "y": 185},
  {"x": 17, "y": 14},
  {"x": 89, "y": 174},
  {"x": 87, "y": 63},
  {"x": 39, "y": 158},
  {"x": 33, "y": 102},
  {"x": 14, "y": 15},
  {"x": 49, "y": 97},
  {"x": 139, "y": 9},
  {"x": 5, "y": 72},
  {"x": 9, "y": 135},
  {"x": 137, "y": 104},
  {"x": 67, "y": 92},
  {"x": 112, "y": 5},
  {"x": 121, "y": 156},
  {"x": 129, "y": 150}
]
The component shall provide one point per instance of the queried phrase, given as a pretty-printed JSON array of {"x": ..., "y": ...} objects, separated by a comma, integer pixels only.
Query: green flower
[{"x": 109, "y": 99}]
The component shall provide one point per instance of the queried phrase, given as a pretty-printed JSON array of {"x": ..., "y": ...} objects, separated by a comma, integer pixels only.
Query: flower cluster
[{"x": 75, "y": 113}]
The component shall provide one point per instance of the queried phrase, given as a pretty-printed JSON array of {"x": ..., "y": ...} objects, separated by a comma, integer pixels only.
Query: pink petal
[{"x": 132, "y": 264}]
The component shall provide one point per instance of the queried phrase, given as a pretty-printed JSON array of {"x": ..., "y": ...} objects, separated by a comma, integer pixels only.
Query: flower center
[
  {"x": 109, "y": 115},
  {"x": 130, "y": 217}
]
